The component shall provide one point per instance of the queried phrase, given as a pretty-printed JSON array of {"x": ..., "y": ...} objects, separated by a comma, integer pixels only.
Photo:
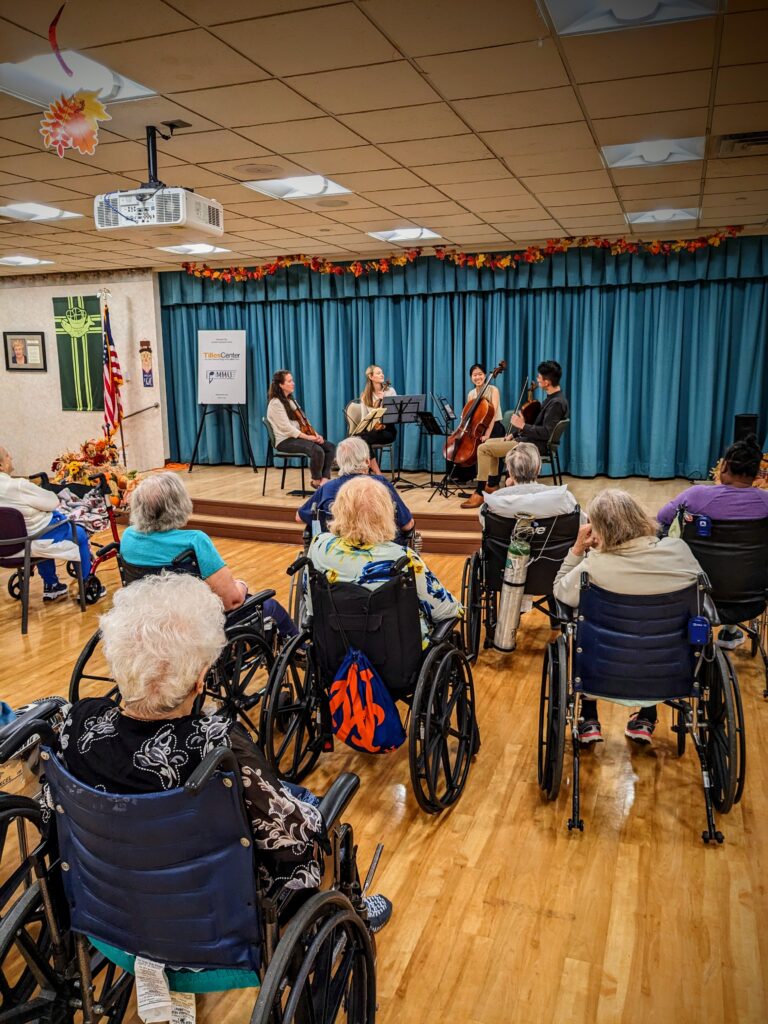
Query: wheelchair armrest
[
  {"x": 42, "y": 477},
  {"x": 710, "y": 610},
  {"x": 256, "y": 599},
  {"x": 15, "y": 735},
  {"x": 333, "y": 804},
  {"x": 442, "y": 630},
  {"x": 299, "y": 564},
  {"x": 101, "y": 481},
  {"x": 220, "y": 757},
  {"x": 113, "y": 546}
]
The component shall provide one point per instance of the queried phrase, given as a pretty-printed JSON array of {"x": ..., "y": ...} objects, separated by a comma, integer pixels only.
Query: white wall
[{"x": 33, "y": 425}]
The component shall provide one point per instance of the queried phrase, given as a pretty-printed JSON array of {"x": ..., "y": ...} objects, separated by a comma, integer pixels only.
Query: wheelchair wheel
[
  {"x": 323, "y": 970},
  {"x": 90, "y": 676},
  {"x": 472, "y": 599},
  {"x": 724, "y": 736},
  {"x": 443, "y": 731},
  {"x": 239, "y": 678},
  {"x": 29, "y": 986},
  {"x": 92, "y": 587},
  {"x": 552, "y": 718},
  {"x": 291, "y": 714},
  {"x": 14, "y": 585},
  {"x": 741, "y": 746},
  {"x": 72, "y": 569}
]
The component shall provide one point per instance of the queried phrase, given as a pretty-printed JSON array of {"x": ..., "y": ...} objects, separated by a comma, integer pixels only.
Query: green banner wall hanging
[{"x": 80, "y": 346}]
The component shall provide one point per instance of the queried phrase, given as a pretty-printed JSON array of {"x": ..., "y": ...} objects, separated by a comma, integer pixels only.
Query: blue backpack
[{"x": 364, "y": 715}]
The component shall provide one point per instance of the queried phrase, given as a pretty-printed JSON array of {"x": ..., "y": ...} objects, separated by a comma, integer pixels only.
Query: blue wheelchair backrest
[
  {"x": 168, "y": 876},
  {"x": 632, "y": 646},
  {"x": 735, "y": 558}
]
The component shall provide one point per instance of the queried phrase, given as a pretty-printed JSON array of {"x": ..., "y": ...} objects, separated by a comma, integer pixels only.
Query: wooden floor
[{"x": 501, "y": 915}]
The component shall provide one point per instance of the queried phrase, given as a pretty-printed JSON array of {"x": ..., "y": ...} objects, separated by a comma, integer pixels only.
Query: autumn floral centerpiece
[{"x": 96, "y": 456}]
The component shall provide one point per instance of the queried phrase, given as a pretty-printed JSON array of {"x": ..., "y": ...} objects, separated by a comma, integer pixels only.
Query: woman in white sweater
[
  {"x": 620, "y": 551},
  {"x": 289, "y": 438}
]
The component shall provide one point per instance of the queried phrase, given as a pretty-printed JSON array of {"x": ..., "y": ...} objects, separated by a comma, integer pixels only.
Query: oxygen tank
[{"x": 511, "y": 599}]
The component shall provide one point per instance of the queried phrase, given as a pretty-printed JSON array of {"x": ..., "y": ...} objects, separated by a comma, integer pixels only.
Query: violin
[
  {"x": 378, "y": 425},
  {"x": 301, "y": 418},
  {"x": 476, "y": 417}
]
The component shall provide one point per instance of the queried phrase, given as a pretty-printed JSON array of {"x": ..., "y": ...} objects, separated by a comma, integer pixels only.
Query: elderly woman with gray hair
[
  {"x": 160, "y": 511},
  {"x": 523, "y": 494},
  {"x": 160, "y": 638},
  {"x": 620, "y": 551}
]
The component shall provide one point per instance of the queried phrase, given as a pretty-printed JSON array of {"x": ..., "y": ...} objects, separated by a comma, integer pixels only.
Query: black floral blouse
[{"x": 110, "y": 751}]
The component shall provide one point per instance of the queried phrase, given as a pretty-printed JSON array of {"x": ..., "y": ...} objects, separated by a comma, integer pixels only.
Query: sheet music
[{"x": 369, "y": 421}]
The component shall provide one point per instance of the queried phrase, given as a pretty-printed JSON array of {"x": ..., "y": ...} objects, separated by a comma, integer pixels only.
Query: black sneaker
[
  {"x": 55, "y": 591},
  {"x": 730, "y": 639},
  {"x": 379, "y": 911}
]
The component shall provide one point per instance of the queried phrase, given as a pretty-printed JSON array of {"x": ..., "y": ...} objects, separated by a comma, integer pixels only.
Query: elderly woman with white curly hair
[
  {"x": 160, "y": 511},
  {"x": 160, "y": 638}
]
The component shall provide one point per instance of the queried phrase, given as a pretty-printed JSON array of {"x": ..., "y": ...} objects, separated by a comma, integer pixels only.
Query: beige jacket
[
  {"x": 645, "y": 565},
  {"x": 284, "y": 427}
]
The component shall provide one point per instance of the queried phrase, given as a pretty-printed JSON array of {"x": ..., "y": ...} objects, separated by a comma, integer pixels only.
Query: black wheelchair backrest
[
  {"x": 184, "y": 562},
  {"x": 383, "y": 623},
  {"x": 169, "y": 876},
  {"x": 549, "y": 539},
  {"x": 635, "y": 646},
  {"x": 735, "y": 558}
]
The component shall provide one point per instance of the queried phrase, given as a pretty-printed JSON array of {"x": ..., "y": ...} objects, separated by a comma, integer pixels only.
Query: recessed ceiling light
[
  {"x": 404, "y": 235},
  {"x": 41, "y": 79},
  {"x": 655, "y": 152},
  {"x": 661, "y": 216},
  {"x": 22, "y": 261},
  {"x": 307, "y": 186},
  {"x": 199, "y": 249},
  {"x": 583, "y": 17},
  {"x": 35, "y": 211}
]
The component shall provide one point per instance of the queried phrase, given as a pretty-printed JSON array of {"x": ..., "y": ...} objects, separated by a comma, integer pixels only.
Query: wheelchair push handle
[
  {"x": 335, "y": 801},
  {"x": 43, "y": 478},
  {"x": 101, "y": 480},
  {"x": 220, "y": 758},
  {"x": 298, "y": 565},
  {"x": 107, "y": 549},
  {"x": 401, "y": 564}
]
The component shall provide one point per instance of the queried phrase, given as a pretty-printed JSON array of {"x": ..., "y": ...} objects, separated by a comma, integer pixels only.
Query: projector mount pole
[{"x": 152, "y": 133}]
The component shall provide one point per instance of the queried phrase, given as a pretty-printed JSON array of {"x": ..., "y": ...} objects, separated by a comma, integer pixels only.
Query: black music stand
[
  {"x": 447, "y": 485},
  {"x": 399, "y": 410},
  {"x": 235, "y": 410}
]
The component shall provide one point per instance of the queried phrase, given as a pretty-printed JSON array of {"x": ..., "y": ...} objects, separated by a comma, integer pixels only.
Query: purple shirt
[{"x": 719, "y": 501}]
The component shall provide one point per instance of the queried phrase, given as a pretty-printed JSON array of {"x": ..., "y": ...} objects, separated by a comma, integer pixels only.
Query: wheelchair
[
  {"x": 549, "y": 539},
  {"x": 734, "y": 555},
  {"x": 384, "y": 624},
  {"x": 96, "y": 891},
  {"x": 630, "y": 647},
  {"x": 238, "y": 679}
]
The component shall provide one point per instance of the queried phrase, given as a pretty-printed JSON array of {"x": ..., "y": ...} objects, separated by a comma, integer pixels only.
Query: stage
[{"x": 227, "y": 502}]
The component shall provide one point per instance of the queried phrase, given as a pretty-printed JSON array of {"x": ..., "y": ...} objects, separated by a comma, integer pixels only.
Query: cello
[{"x": 476, "y": 417}]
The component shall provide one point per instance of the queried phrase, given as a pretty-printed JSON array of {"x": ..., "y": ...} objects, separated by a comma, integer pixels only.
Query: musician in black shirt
[{"x": 553, "y": 409}]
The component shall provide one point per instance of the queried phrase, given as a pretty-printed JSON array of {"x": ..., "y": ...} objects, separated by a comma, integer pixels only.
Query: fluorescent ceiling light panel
[
  {"x": 655, "y": 152},
  {"x": 661, "y": 216},
  {"x": 35, "y": 211},
  {"x": 404, "y": 235},
  {"x": 22, "y": 261},
  {"x": 42, "y": 79},
  {"x": 199, "y": 249},
  {"x": 307, "y": 186},
  {"x": 584, "y": 17}
]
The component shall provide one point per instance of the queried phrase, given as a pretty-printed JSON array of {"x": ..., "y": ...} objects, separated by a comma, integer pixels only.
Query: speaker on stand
[{"x": 744, "y": 423}]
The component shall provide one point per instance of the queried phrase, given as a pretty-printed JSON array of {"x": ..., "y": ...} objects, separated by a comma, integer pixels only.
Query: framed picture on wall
[{"x": 24, "y": 350}]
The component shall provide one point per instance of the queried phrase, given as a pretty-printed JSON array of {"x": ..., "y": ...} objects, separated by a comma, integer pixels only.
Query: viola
[
  {"x": 530, "y": 408},
  {"x": 378, "y": 425},
  {"x": 476, "y": 418},
  {"x": 301, "y": 418}
]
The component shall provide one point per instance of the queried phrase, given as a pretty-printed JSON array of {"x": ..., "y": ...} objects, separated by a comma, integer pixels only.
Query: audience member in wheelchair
[
  {"x": 353, "y": 458},
  {"x": 40, "y": 508},
  {"x": 621, "y": 552},
  {"x": 160, "y": 638},
  {"x": 523, "y": 494},
  {"x": 359, "y": 549},
  {"x": 733, "y": 498},
  {"x": 160, "y": 509}
]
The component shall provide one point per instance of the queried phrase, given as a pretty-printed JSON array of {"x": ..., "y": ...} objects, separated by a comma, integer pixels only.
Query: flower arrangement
[
  {"x": 99, "y": 455},
  {"x": 490, "y": 260},
  {"x": 761, "y": 480}
]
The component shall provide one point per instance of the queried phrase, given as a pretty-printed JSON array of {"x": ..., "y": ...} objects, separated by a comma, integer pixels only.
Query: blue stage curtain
[{"x": 658, "y": 353}]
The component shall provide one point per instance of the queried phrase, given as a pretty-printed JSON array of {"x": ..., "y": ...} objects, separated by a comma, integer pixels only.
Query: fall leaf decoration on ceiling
[{"x": 72, "y": 122}]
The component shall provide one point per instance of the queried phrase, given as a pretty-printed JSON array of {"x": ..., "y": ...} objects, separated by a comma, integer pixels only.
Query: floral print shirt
[
  {"x": 110, "y": 751},
  {"x": 371, "y": 566}
]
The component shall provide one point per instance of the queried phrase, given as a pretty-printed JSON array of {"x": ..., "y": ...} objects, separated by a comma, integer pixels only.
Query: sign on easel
[{"x": 221, "y": 367}]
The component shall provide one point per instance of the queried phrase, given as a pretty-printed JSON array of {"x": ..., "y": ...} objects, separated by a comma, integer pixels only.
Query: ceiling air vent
[{"x": 743, "y": 144}]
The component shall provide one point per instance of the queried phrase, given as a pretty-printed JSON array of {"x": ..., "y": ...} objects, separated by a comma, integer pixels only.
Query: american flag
[{"x": 113, "y": 378}]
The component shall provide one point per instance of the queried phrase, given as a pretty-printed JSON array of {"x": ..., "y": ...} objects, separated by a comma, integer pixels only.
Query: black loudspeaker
[{"x": 744, "y": 423}]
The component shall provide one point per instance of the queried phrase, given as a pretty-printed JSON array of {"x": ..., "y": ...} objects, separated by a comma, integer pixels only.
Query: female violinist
[
  {"x": 293, "y": 431},
  {"x": 376, "y": 389},
  {"x": 478, "y": 376}
]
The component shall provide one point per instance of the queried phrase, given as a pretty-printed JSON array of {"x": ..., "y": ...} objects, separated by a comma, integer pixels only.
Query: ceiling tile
[
  {"x": 355, "y": 216},
  {"x": 440, "y": 26},
  {"x": 323, "y": 203},
  {"x": 372, "y": 88},
  {"x": 302, "y": 135},
  {"x": 336, "y": 161},
  {"x": 648, "y": 94},
  {"x": 97, "y": 184},
  {"x": 368, "y": 181},
  {"x": 561, "y": 138},
  {"x": 256, "y": 102},
  {"x": 392, "y": 198},
  {"x": 316, "y": 40},
  {"x": 479, "y": 189},
  {"x": 130, "y": 120},
  {"x": 662, "y": 202},
  {"x": 747, "y": 198},
  {"x": 667, "y": 188},
  {"x": 44, "y": 166},
  {"x": 672, "y": 124},
  {"x": 256, "y": 169},
  {"x": 437, "y": 151},
  {"x": 498, "y": 69},
  {"x": 532, "y": 224},
  {"x": 744, "y": 84},
  {"x": 655, "y": 50},
  {"x": 9, "y": 105},
  {"x": 736, "y": 214},
  {"x": 17, "y": 44},
  {"x": 568, "y": 182},
  {"x": 743, "y": 184},
  {"x": 205, "y": 147},
  {"x": 554, "y": 163},
  {"x": 661, "y": 172},
  {"x": 521, "y": 109},
  {"x": 233, "y": 194},
  {"x": 482, "y": 204},
  {"x": 120, "y": 157},
  {"x": 41, "y": 192},
  {"x": 593, "y": 225},
  {"x": 740, "y": 117},
  {"x": 428, "y": 121},
  {"x": 453, "y": 220},
  {"x": 744, "y": 38},
  {"x": 191, "y": 176},
  {"x": 469, "y": 170},
  {"x": 9, "y": 179},
  {"x": 727, "y": 167},
  {"x": 512, "y": 215},
  {"x": 297, "y": 221},
  {"x": 420, "y": 210},
  {"x": 478, "y": 234},
  {"x": 571, "y": 210}
]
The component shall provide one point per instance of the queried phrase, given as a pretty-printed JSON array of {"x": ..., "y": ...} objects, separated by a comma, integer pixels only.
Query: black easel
[{"x": 236, "y": 410}]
